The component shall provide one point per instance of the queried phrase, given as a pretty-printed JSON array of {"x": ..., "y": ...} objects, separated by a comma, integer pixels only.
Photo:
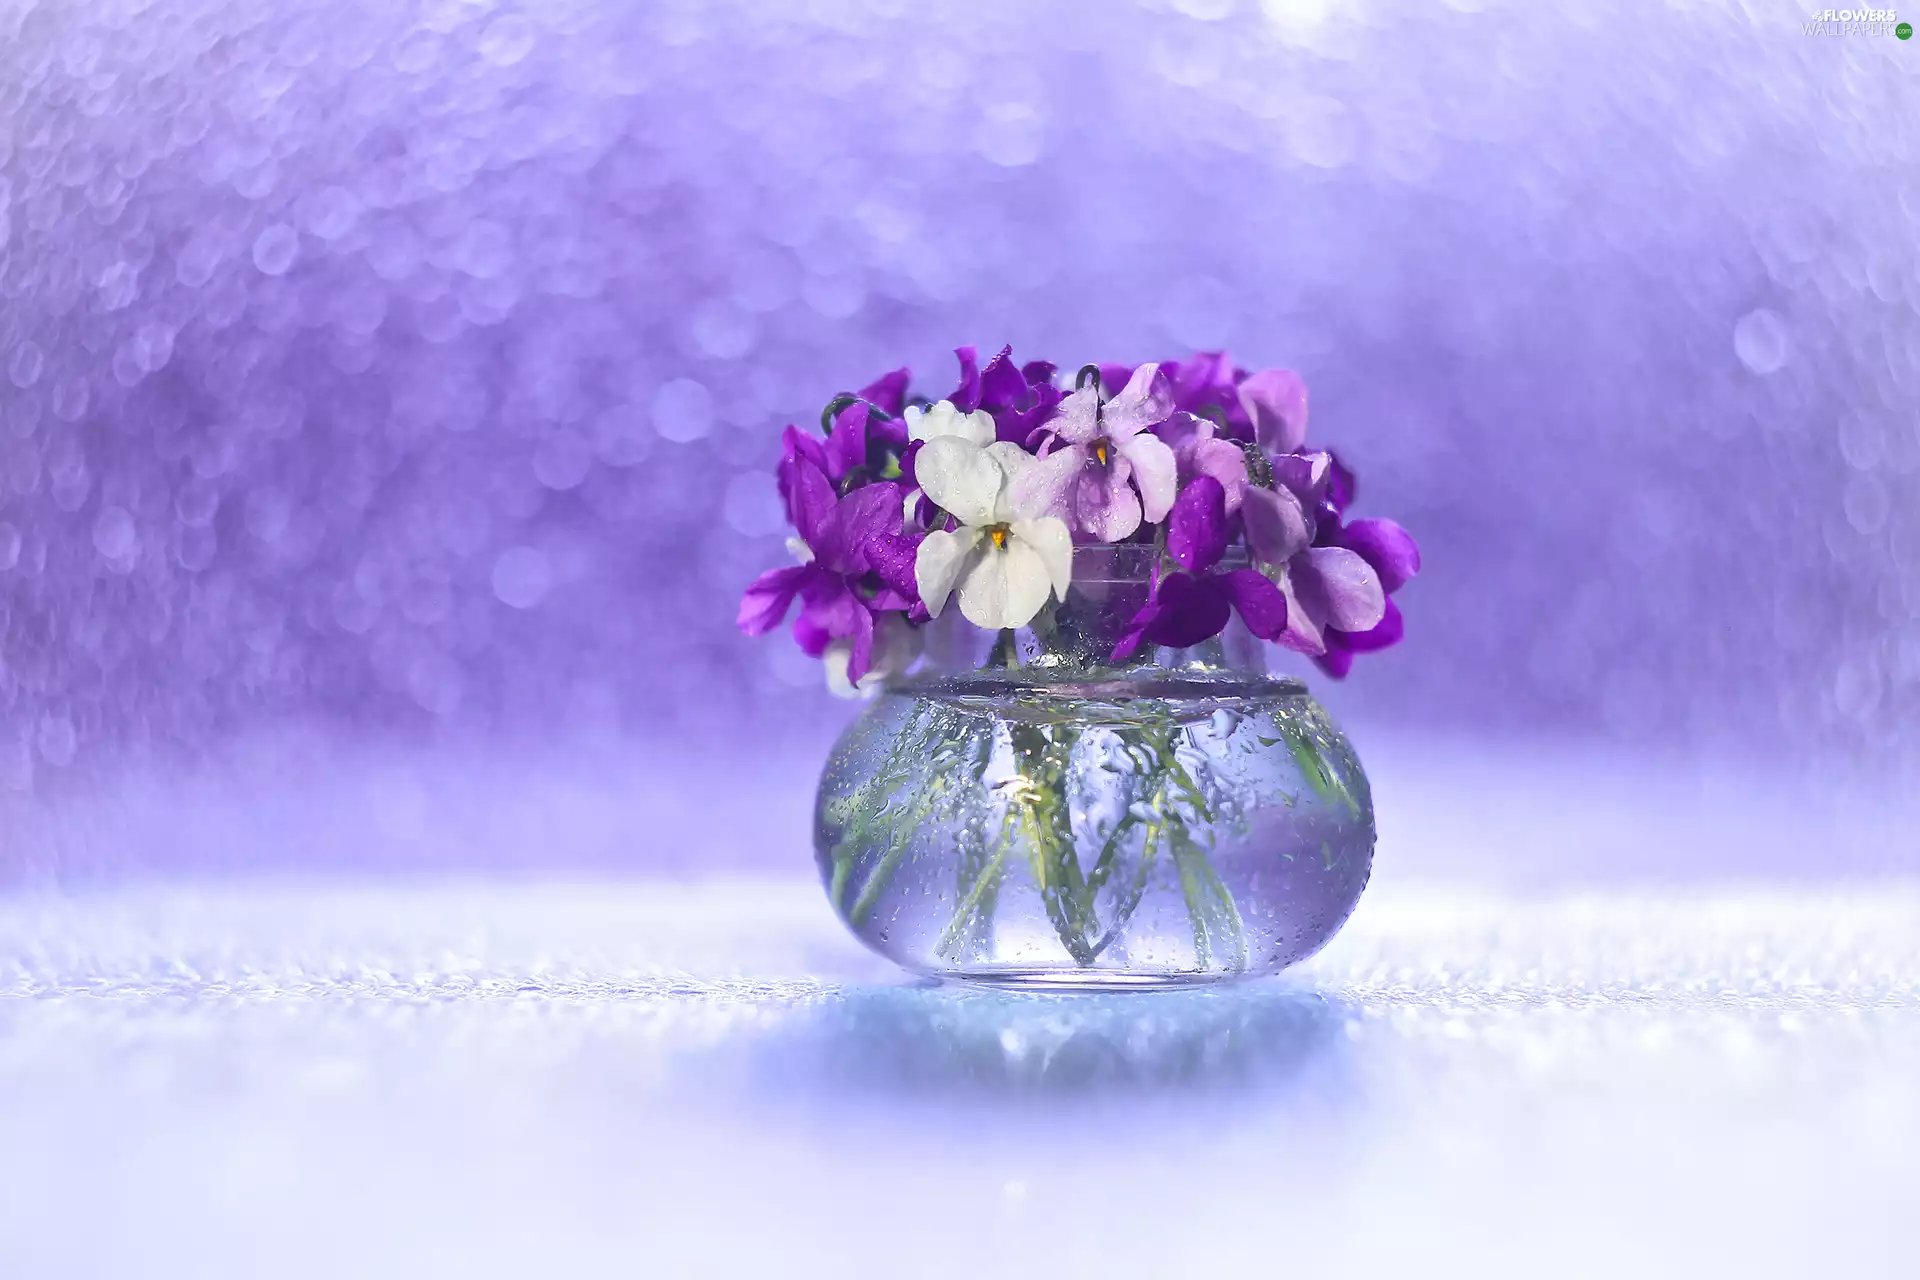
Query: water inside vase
[{"x": 1185, "y": 821}]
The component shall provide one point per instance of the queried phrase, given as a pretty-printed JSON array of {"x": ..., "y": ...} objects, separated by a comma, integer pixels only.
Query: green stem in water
[
  {"x": 1216, "y": 919},
  {"x": 863, "y": 813},
  {"x": 1038, "y": 797},
  {"x": 1129, "y": 901},
  {"x": 1109, "y": 852},
  {"x": 1324, "y": 780},
  {"x": 837, "y": 890},
  {"x": 978, "y": 872},
  {"x": 1217, "y": 925},
  {"x": 882, "y": 874},
  {"x": 930, "y": 735},
  {"x": 976, "y": 907}
]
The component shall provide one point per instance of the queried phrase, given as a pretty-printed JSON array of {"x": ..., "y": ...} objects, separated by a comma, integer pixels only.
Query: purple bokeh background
[{"x": 388, "y": 388}]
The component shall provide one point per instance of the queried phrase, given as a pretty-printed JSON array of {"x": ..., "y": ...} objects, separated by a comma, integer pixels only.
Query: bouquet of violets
[
  {"x": 907, "y": 508},
  {"x": 1114, "y": 516}
]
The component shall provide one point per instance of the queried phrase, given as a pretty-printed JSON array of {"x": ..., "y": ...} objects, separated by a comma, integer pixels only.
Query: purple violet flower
[
  {"x": 1204, "y": 386},
  {"x": 888, "y": 391},
  {"x": 1335, "y": 577},
  {"x": 1100, "y": 468},
  {"x": 1268, "y": 408},
  {"x": 1190, "y": 442},
  {"x": 1018, "y": 398},
  {"x": 1275, "y": 403},
  {"x": 1200, "y": 450},
  {"x": 797, "y": 446},
  {"x": 1393, "y": 555},
  {"x": 847, "y": 441},
  {"x": 857, "y": 564},
  {"x": 1342, "y": 484},
  {"x": 966, "y": 396},
  {"x": 1188, "y": 607}
]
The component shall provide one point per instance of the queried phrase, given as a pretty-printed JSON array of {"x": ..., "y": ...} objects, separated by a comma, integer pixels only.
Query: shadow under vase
[{"x": 946, "y": 1041}]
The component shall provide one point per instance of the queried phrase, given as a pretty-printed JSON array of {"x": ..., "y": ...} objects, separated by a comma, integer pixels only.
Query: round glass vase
[{"x": 1021, "y": 812}]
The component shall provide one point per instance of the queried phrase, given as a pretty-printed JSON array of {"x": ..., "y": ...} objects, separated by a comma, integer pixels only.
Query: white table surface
[{"x": 619, "y": 1078}]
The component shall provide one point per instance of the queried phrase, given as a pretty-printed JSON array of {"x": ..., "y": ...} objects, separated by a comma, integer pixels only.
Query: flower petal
[
  {"x": 1002, "y": 385},
  {"x": 966, "y": 396},
  {"x": 1018, "y": 425},
  {"x": 1050, "y": 539},
  {"x": 811, "y": 635},
  {"x": 847, "y": 442},
  {"x": 764, "y": 605},
  {"x": 1146, "y": 400},
  {"x": 1155, "y": 474},
  {"x": 813, "y": 501},
  {"x": 1014, "y": 463},
  {"x": 887, "y": 434},
  {"x": 895, "y": 648},
  {"x": 1181, "y": 432},
  {"x": 1392, "y": 629},
  {"x": 1342, "y": 484},
  {"x": 961, "y": 477},
  {"x": 1262, "y": 605},
  {"x": 834, "y": 662},
  {"x": 1004, "y": 586},
  {"x": 832, "y": 611},
  {"x": 1042, "y": 486},
  {"x": 1275, "y": 400},
  {"x": 795, "y": 443},
  {"x": 892, "y": 557},
  {"x": 938, "y": 563},
  {"x": 1335, "y": 662},
  {"x": 1305, "y": 474},
  {"x": 1226, "y": 462},
  {"x": 857, "y": 519},
  {"x": 1198, "y": 450},
  {"x": 1206, "y": 379},
  {"x": 860, "y": 658},
  {"x": 1197, "y": 525},
  {"x": 1277, "y": 525},
  {"x": 1391, "y": 550},
  {"x": 1192, "y": 609},
  {"x": 1078, "y": 418},
  {"x": 1136, "y": 633},
  {"x": 945, "y": 419},
  {"x": 1102, "y": 501},
  {"x": 1304, "y": 633},
  {"x": 889, "y": 390},
  {"x": 850, "y": 657},
  {"x": 1350, "y": 595}
]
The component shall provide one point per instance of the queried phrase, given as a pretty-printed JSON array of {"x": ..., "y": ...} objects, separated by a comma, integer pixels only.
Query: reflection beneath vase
[{"x": 947, "y": 1040}]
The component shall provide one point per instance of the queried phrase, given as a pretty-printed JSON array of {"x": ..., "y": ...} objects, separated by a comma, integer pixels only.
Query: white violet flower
[
  {"x": 938, "y": 421},
  {"x": 1007, "y": 556},
  {"x": 895, "y": 648}
]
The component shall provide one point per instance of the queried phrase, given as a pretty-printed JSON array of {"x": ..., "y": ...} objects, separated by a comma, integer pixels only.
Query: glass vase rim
[
  {"x": 1135, "y": 562},
  {"x": 1096, "y": 684}
]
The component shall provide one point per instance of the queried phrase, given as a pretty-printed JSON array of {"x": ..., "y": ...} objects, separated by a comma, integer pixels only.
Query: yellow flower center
[
  {"x": 999, "y": 535},
  {"x": 1100, "y": 451}
]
